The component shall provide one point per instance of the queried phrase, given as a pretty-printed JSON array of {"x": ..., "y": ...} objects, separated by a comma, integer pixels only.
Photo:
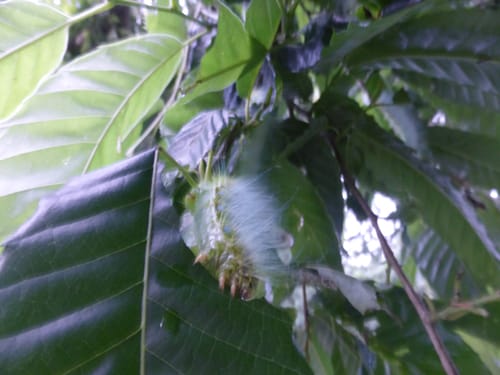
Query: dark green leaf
[
  {"x": 465, "y": 49},
  {"x": 403, "y": 119},
  {"x": 197, "y": 137},
  {"x": 72, "y": 286},
  {"x": 402, "y": 341},
  {"x": 360, "y": 295},
  {"x": 467, "y": 107},
  {"x": 483, "y": 327},
  {"x": 441, "y": 267},
  {"x": 304, "y": 216},
  {"x": 472, "y": 157},
  {"x": 343, "y": 43},
  {"x": 324, "y": 174}
]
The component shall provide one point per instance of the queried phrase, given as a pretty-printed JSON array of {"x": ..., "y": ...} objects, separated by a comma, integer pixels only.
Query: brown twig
[{"x": 422, "y": 311}]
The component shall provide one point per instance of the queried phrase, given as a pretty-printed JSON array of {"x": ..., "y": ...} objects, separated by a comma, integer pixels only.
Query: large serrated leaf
[
  {"x": 343, "y": 43},
  {"x": 472, "y": 157},
  {"x": 33, "y": 42},
  {"x": 464, "y": 49},
  {"x": 83, "y": 117},
  {"x": 304, "y": 216},
  {"x": 443, "y": 207},
  {"x": 98, "y": 281},
  {"x": 467, "y": 107}
]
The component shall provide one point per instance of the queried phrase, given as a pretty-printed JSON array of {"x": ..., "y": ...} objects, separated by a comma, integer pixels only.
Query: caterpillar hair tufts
[{"x": 232, "y": 225}]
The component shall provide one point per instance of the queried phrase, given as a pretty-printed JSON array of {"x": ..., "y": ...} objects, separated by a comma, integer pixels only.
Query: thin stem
[
  {"x": 98, "y": 9},
  {"x": 184, "y": 171},
  {"x": 159, "y": 117},
  {"x": 460, "y": 308},
  {"x": 422, "y": 311},
  {"x": 164, "y": 9}
]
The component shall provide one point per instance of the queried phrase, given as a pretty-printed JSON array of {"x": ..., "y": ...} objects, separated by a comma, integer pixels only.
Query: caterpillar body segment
[{"x": 232, "y": 226}]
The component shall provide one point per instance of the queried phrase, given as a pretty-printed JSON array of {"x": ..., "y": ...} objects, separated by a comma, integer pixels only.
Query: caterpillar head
[{"x": 232, "y": 226}]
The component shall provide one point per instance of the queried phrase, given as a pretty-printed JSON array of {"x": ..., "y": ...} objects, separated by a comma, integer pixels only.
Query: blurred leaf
[
  {"x": 262, "y": 21},
  {"x": 388, "y": 162},
  {"x": 467, "y": 107},
  {"x": 488, "y": 352},
  {"x": 81, "y": 119},
  {"x": 332, "y": 350},
  {"x": 180, "y": 113},
  {"x": 464, "y": 49},
  {"x": 197, "y": 137},
  {"x": 481, "y": 327},
  {"x": 481, "y": 334},
  {"x": 72, "y": 287},
  {"x": 401, "y": 340},
  {"x": 323, "y": 172},
  {"x": 343, "y": 43},
  {"x": 298, "y": 57},
  {"x": 472, "y": 157},
  {"x": 440, "y": 266},
  {"x": 158, "y": 21},
  {"x": 224, "y": 62},
  {"x": 304, "y": 217},
  {"x": 360, "y": 295},
  {"x": 33, "y": 43},
  {"x": 404, "y": 120}
]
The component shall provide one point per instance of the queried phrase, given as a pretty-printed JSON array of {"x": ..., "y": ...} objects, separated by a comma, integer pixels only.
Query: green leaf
[
  {"x": 332, "y": 350},
  {"x": 440, "y": 266},
  {"x": 80, "y": 119},
  {"x": 480, "y": 333},
  {"x": 160, "y": 21},
  {"x": 304, "y": 217},
  {"x": 391, "y": 165},
  {"x": 360, "y": 295},
  {"x": 467, "y": 107},
  {"x": 403, "y": 119},
  {"x": 343, "y": 43},
  {"x": 197, "y": 137},
  {"x": 225, "y": 60},
  {"x": 465, "y": 49},
  {"x": 98, "y": 281},
  {"x": 33, "y": 43},
  {"x": 324, "y": 173},
  {"x": 473, "y": 157},
  {"x": 402, "y": 341},
  {"x": 262, "y": 21},
  {"x": 180, "y": 113}
]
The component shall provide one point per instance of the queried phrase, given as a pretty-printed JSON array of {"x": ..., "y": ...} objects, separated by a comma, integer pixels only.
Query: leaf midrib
[{"x": 125, "y": 101}]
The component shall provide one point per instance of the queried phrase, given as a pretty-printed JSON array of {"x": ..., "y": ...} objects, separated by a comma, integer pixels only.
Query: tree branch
[{"x": 422, "y": 311}]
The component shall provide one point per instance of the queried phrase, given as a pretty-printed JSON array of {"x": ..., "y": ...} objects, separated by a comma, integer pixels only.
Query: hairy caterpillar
[{"x": 232, "y": 226}]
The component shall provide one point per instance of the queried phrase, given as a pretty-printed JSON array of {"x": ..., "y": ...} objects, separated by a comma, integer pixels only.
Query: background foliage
[{"x": 402, "y": 95}]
